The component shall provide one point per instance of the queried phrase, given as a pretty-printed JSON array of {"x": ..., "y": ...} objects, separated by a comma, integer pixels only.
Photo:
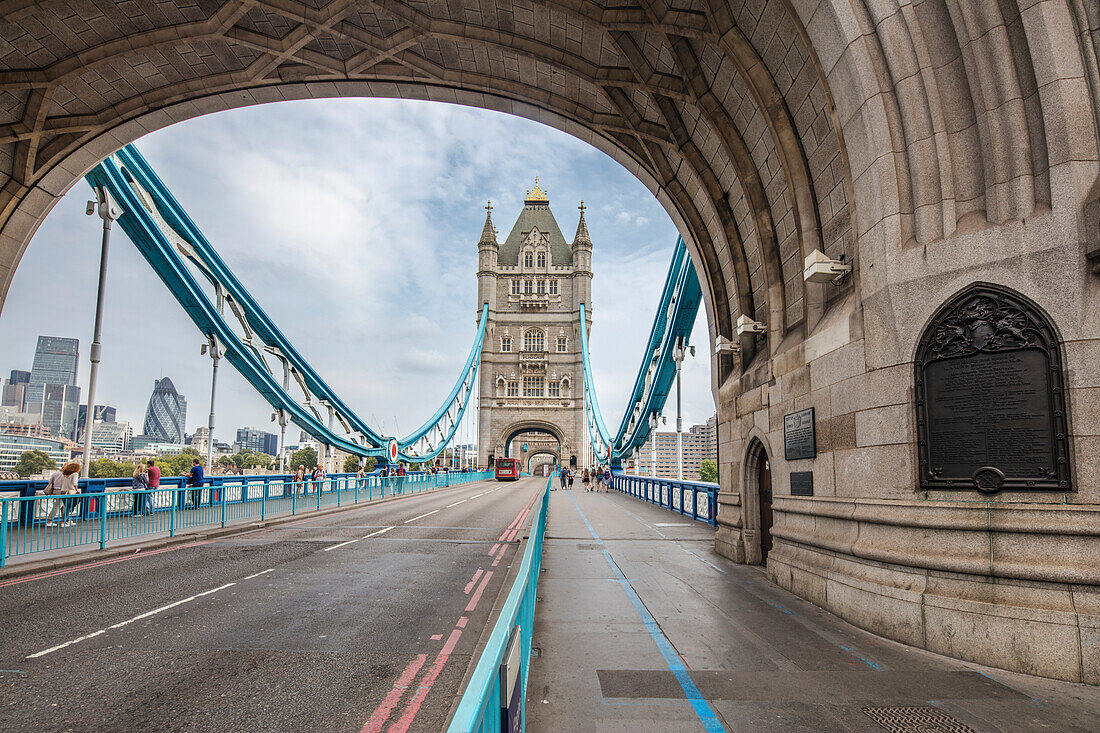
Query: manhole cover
[
  {"x": 916, "y": 720},
  {"x": 588, "y": 546}
]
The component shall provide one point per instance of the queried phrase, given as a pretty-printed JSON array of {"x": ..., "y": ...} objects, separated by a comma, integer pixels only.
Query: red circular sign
[{"x": 393, "y": 450}]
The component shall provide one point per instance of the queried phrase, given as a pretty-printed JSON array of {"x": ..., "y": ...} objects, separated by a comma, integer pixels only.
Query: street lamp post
[
  {"x": 215, "y": 355},
  {"x": 108, "y": 210},
  {"x": 678, "y": 356}
]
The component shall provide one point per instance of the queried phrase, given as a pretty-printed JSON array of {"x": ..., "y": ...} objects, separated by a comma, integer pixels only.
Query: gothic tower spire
[
  {"x": 582, "y": 230},
  {"x": 488, "y": 232}
]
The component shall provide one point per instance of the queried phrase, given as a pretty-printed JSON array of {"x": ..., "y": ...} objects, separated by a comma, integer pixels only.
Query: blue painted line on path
[{"x": 699, "y": 704}]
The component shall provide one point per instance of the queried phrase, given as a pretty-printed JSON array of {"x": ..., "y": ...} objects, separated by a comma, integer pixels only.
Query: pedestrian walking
[
  {"x": 154, "y": 483},
  {"x": 300, "y": 480},
  {"x": 62, "y": 483},
  {"x": 194, "y": 480},
  {"x": 139, "y": 487},
  {"x": 361, "y": 478},
  {"x": 606, "y": 479},
  {"x": 563, "y": 477},
  {"x": 318, "y": 477},
  {"x": 572, "y": 475},
  {"x": 586, "y": 479},
  {"x": 401, "y": 473}
]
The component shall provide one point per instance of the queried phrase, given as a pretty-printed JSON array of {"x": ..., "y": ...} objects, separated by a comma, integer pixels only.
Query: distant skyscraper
[
  {"x": 258, "y": 441},
  {"x": 51, "y": 390},
  {"x": 15, "y": 391},
  {"x": 167, "y": 413},
  {"x": 104, "y": 413}
]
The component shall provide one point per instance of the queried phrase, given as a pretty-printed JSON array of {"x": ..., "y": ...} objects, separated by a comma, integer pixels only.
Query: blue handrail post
[
  {"x": 293, "y": 501},
  {"x": 221, "y": 496},
  {"x": 172, "y": 516},
  {"x": 356, "y": 489},
  {"x": 339, "y": 491},
  {"x": 5, "y": 507},
  {"x": 320, "y": 486},
  {"x": 103, "y": 519},
  {"x": 263, "y": 504}
]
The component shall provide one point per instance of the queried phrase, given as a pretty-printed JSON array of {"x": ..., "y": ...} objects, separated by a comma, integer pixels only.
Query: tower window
[
  {"x": 528, "y": 287},
  {"x": 532, "y": 386},
  {"x": 553, "y": 389},
  {"x": 506, "y": 343},
  {"x": 553, "y": 287},
  {"x": 542, "y": 259},
  {"x": 513, "y": 388},
  {"x": 527, "y": 259},
  {"x": 515, "y": 287},
  {"x": 533, "y": 340},
  {"x": 542, "y": 287},
  {"x": 561, "y": 344}
]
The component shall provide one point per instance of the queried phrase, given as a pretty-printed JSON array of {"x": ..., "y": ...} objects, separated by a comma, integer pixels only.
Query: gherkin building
[{"x": 167, "y": 413}]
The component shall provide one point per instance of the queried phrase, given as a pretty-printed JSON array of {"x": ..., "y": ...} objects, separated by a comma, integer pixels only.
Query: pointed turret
[
  {"x": 582, "y": 237},
  {"x": 488, "y": 232},
  {"x": 582, "y": 244}
]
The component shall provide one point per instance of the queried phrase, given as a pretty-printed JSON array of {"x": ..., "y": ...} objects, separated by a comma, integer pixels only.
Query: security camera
[
  {"x": 747, "y": 325},
  {"x": 723, "y": 345},
  {"x": 819, "y": 268},
  {"x": 90, "y": 208}
]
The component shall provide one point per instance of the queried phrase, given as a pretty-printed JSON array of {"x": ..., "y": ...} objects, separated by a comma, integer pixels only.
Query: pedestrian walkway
[{"x": 641, "y": 626}]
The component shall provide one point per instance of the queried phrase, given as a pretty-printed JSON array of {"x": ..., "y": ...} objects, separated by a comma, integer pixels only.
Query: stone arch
[
  {"x": 555, "y": 455},
  {"x": 508, "y": 434}
]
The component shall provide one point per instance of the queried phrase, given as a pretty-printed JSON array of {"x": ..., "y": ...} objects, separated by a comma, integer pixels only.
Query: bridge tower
[{"x": 531, "y": 379}]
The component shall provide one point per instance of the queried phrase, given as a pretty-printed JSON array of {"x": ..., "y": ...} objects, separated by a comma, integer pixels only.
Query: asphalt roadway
[{"x": 362, "y": 620}]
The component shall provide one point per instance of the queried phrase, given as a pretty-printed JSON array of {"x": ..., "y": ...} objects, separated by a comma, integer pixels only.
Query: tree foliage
[
  {"x": 305, "y": 457},
  {"x": 32, "y": 462},
  {"x": 708, "y": 471},
  {"x": 106, "y": 468},
  {"x": 177, "y": 465}
]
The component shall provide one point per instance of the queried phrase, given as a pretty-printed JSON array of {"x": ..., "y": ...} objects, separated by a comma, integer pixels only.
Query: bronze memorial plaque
[
  {"x": 799, "y": 435},
  {"x": 990, "y": 406}
]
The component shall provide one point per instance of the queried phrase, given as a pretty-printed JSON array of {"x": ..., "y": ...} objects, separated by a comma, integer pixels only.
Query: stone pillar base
[{"x": 1045, "y": 629}]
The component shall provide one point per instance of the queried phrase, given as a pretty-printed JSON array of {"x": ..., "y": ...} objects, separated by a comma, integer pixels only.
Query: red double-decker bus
[{"x": 507, "y": 469}]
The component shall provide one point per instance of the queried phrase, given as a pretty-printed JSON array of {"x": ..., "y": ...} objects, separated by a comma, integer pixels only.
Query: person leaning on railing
[
  {"x": 61, "y": 483},
  {"x": 139, "y": 485}
]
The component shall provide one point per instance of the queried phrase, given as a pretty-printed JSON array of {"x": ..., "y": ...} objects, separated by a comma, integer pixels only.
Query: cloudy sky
[{"x": 354, "y": 223}]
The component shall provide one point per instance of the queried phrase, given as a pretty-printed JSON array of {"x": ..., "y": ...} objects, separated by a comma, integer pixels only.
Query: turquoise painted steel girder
[
  {"x": 672, "y": 325},
  {"x": 145, "y": 198}
]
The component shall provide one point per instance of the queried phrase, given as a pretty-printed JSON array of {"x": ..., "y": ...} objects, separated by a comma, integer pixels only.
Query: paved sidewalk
[{"x": 642, "y": 627}]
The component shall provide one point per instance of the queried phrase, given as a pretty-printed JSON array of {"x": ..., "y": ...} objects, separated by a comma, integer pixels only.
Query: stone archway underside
[{"x": 721, "y": 110}]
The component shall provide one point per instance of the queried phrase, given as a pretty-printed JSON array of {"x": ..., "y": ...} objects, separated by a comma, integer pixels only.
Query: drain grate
[{"x": 916, "y": 720}]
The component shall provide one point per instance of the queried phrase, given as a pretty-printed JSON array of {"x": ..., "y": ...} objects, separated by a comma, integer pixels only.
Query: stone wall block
[
  {"x": 892, "y": 424},
  {"x": 883, "y": 472},
  {"x": 836, "y": 433},
  {"x": 838, "y": 365}
]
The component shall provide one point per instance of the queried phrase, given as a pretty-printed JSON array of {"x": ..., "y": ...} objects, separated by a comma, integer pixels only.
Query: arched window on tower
[
  {"x": 534, "y": 340},
  {"x": 562, "y": 344},
  {"x": 528, "y": 287},
  {"x": 506, "y": 343},
  {"x": 542, "y": 259},
  {"x": 542, "y": 287},
  {"x": 528, "y": 259},
  {"x": 553, "y": 287},
  {"x": 553, "y": 389},
  {"x": 515, "y": 287}
]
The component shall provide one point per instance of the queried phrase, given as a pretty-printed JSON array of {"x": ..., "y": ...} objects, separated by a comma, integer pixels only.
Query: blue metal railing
[
  {"x": 102, "y": 512},
  {"x": 481, "y": 708},
  {"x": 695, "y": 499}
]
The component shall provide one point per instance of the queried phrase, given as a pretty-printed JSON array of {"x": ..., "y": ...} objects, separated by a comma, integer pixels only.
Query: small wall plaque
[
  {"x": 802, "y": 483},
  {"x": 799, "y": 437}
]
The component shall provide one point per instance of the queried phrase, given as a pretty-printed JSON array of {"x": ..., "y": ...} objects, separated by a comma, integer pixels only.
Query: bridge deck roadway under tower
[
  {"x": 638, "y": 614},
  {"x": 367, "y": 617}
]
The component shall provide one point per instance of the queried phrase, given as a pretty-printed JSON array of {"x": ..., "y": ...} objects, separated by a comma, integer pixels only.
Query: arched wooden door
[{"x": 764, "y": 482}]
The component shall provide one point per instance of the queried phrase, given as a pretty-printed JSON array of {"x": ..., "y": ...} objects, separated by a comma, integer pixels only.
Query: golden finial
[{"x": 537, "y": 194}]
